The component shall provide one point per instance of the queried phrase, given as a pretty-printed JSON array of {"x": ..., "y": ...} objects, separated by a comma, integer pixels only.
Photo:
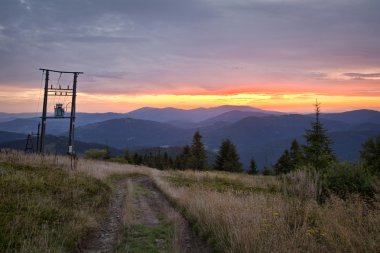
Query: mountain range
[
  {"x": 259, "y": 134},
  {"x": 191, "y": 118}
]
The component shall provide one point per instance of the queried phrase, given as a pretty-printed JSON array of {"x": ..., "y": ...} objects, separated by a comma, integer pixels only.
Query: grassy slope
[
  {"x": 236, "y": 212},
  {"x": 241, "y": 213},
  {"x": 44, "y": 209}
]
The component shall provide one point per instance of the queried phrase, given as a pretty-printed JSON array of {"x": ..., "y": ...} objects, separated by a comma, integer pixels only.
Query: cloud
[
  {"x": 369, "y": 76},
  {"x": 128, "y": 46}
]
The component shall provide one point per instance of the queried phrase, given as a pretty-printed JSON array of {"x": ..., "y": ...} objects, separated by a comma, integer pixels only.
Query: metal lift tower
[{"x": 59, "y": 109}]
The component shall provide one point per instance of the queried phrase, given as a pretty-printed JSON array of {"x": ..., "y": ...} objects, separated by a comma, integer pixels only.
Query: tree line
[{"x": 316, "y": 153}]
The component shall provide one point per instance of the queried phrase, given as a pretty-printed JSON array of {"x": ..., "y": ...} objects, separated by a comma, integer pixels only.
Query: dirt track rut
[{"x": 148, "y": 209}]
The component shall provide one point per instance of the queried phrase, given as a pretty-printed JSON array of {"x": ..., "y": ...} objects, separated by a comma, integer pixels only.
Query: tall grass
[
  {"x": 234, "y": 218},
  {"x": 46, "y": 209},
  {"x": 45, "y": 206},
  {"x": 93, "y": 168},
  {"x": 289, "y": 220}
]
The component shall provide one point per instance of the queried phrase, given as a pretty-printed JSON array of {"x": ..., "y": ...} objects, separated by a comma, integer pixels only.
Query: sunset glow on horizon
[
  {"x": 274, "y": 55},
  {"x": 292, "y": 102}
]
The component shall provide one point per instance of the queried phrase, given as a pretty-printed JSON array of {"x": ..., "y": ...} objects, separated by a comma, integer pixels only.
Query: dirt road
[{"x": 141, "y": 219}]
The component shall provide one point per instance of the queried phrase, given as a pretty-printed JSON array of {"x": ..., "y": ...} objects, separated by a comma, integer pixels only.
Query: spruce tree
[
  {"x": 252, "y": 167},
  {"x": 284, "y": 163},
  {"x": 198, "y": 160},
  {"x": 317, "y": 150},
  {"x": 182, "y": 161},
  {"x": 296, "y": 155},
  {"x": 127, "y": 156},
  {"x": 290, "y": 160},
  {"x": 370, "y": 154},
  {"x": 107, "y": 155},
  {"x": 166, "y": 161},
  {"x": 227, "y": 158}
]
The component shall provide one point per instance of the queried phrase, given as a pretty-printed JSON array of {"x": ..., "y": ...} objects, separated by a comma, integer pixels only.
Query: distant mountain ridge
[
  {"x": 58, "y": 145},
  {"x": 354, "y": 117},
  {"x": 257, "y": 133},
  {"x": 135, "y": 133},
  {"x": 263, "y": 138},
  {"x": 11, "y": 116},
  {"x": 163, "y": 115},
  {"x": 234, "y": 116},
  {"x": 190, "y": 115}
]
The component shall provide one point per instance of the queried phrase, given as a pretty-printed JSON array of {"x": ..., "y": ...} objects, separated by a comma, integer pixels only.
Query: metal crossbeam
[{"x": 63, "y": 72}]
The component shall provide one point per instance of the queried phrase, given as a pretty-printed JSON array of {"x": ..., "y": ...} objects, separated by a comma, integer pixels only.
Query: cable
[{"x": 59, "y": 78}]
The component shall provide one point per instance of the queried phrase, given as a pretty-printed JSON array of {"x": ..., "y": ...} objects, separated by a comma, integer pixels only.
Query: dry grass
[
  {"x": 93, "y": 168},
  {"x": 241, "y": 179},
  {"x": 47, "y": 207},
  {"x": 287, "y": 219}
]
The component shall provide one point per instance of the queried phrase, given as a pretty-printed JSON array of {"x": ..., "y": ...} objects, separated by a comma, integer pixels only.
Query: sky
[{"x": 273, "y": 54}]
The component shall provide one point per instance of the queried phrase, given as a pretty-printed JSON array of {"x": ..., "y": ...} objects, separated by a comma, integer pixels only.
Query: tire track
[
  {"x": 149, "y": 208},
  {"x": 105, "y": 239}
]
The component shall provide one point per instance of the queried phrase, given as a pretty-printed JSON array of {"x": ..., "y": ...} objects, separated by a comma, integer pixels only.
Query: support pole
[
  {"x": 72, "y": 116},
  {"x": 38, "y": 137},
  {"x": 43, "y": 118}
]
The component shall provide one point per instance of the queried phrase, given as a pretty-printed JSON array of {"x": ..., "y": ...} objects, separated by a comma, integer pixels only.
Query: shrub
[
  {"x": 94, "y": 153},
  {"x": 371, "y": 154},
  {"x": 343, "y": 179},
  {"x": 267, "y": 171},
  {"x": 252, "y": 167}
]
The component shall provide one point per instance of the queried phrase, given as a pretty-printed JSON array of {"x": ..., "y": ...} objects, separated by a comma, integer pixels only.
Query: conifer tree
[
  {"x": 296, "y": 155},
  {"x": 184, "y": 158},
  {"x": 227, "y": 158},
  {"x": 290, "y": 160},
  {"x": 252, "y": 167},
  {"x": 198, "y": 160},
  {"x": 137, "y": 159},
  {"x": 370, "y": 154},
  {"x": 284, "y": 163},
  {"x": 127, "y": 156},
  {"x": 108, "y": 153},
  {"x": 317, "y": 149},
  {"x": 166, "y": 161}
]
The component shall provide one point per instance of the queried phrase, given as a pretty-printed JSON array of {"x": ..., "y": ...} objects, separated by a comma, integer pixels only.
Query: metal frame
[{"x": 52, "y": 91}]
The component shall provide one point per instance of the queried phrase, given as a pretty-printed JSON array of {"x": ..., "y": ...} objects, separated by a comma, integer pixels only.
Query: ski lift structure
[{"x": 61, "y": 110}]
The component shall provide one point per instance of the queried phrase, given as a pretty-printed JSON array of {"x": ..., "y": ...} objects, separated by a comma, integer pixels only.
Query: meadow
[{"x": 46, "y": 206}]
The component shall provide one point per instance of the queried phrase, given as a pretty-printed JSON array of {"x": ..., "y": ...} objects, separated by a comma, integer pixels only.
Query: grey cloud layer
[{"x": 149, "y": 44}]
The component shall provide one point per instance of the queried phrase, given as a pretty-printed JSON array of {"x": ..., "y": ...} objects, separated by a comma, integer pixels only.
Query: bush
[
  {"x": 100, "y": 154},
  {"x": 267, "y": 171},
  {"x": 344, "y": 179}
]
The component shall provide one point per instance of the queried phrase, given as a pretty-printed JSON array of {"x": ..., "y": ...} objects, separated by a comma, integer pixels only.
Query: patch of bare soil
[
  {"x": 152, "y": 206},
  {"x": 105, "y": 239},
  {"x": 149, "y": 209}
]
